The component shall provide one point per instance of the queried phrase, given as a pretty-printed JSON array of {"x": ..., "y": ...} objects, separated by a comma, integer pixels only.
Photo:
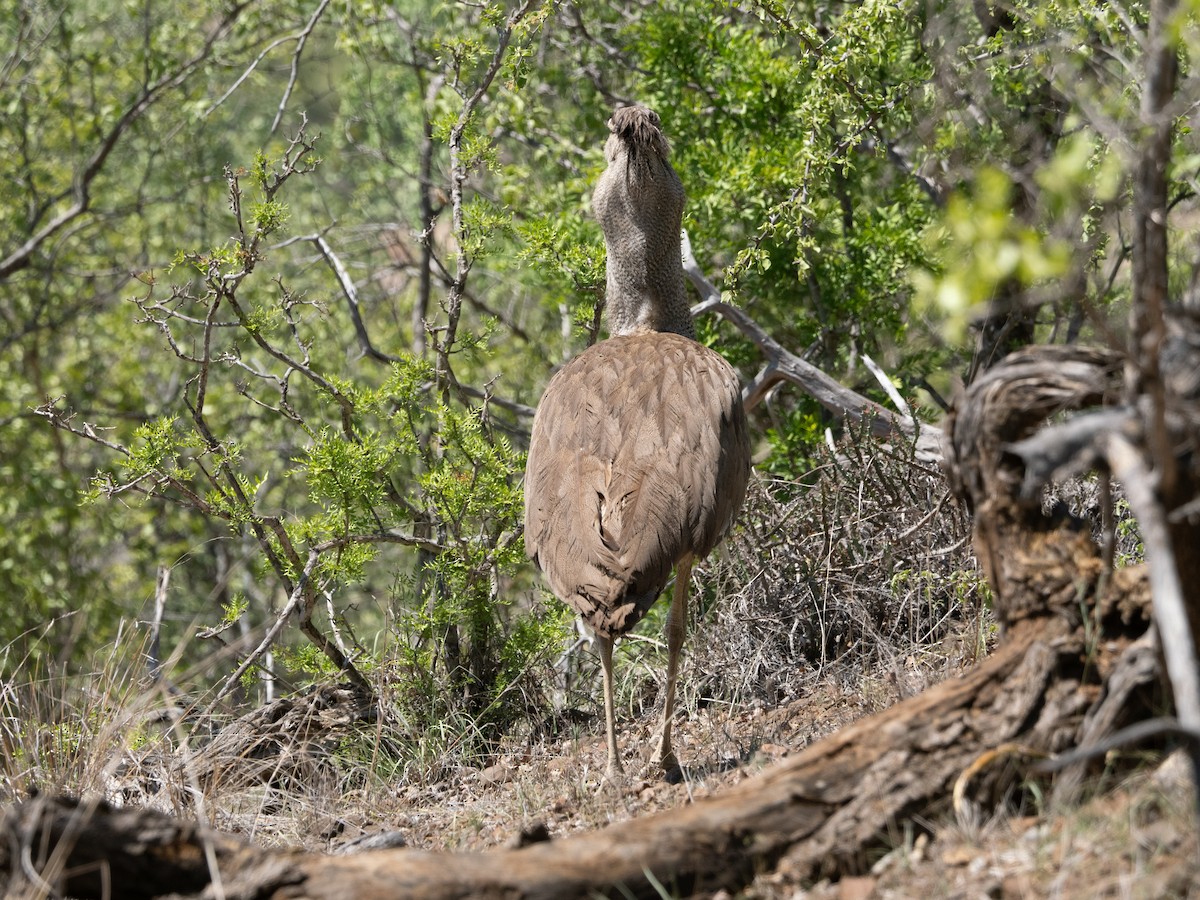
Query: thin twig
[
  {"x": 301, "y": 40},
  {"x": 350, "y": 292},
  {"x": 1130, "y": 735},
  {"x": 458, "y": 177},
  {"x": 82, "y": 184},
  {"x": 291, "y": 606},
  {"x": 154, "y": 655}
]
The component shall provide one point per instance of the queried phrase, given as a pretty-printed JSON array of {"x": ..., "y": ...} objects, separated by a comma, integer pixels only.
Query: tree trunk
[{"x": 1149, "y": 340}]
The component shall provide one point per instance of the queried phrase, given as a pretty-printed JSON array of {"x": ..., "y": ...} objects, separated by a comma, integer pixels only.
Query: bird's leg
[
  {"x": 664, "y": 756},
  {"x": 613, "y": 771}
]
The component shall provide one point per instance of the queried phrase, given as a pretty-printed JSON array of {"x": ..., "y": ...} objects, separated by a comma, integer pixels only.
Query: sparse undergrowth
[{"x": 841, "y": 596}]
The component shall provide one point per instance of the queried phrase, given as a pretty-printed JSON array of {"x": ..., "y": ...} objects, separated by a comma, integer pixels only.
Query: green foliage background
[{"x": 862, "y": 177}]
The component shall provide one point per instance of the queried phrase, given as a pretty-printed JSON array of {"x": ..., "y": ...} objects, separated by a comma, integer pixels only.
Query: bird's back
[{"x": 639, "y": 456}]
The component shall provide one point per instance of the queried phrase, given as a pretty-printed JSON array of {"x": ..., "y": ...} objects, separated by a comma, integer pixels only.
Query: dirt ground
[{"x": 1130, "y": 836}]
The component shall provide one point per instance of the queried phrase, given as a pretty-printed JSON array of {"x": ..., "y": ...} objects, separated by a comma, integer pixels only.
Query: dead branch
[
  {"x": 783, "y": 365},
  {"x": 89, "y": 849},
  {"x": 822, "y": 810},
  {"x": 1170, "y": 610},
  {"x": 285, "y": 743}
]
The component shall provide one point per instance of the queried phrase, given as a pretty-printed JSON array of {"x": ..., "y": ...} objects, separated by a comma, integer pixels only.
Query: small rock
[
  {"x": 1172, "y": 776},
  {"x": 380, "y": 840},
  {"x": 537, "y": 833},
  {"x": 497, "y": 774},
  {"x": 958, "y": 856},
  {"x": 1017, "y": 887},
  {"x": 856, "y": 888}
]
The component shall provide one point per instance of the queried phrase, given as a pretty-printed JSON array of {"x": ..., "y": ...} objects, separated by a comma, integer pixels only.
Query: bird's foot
[{"x": 665, "y": 761}]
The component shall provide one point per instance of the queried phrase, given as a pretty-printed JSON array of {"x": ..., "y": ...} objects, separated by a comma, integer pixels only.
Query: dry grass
[
  {"x": 1134, "y": 840},
  {"x": 836, "y": 598},
  {"x": 864, "y": 570},
  {"x": 863, "y": 576},
  {"x": 66, "y": 731}
]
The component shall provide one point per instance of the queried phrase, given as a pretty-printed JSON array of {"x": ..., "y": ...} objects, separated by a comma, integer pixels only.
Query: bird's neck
[
  {"x": 639, "y": 202},
  {"x": 647, "y": 305}
]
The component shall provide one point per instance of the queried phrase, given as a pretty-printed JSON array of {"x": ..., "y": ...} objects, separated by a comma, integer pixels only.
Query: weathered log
[
  {"x": 823, "y": 811},
  {"x": 89, "y": 849},
  {"x": 819, "y": 812}
]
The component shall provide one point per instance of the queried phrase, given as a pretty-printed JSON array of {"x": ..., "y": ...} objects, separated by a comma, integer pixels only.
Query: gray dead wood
[
  {"x": 783, "y": 365},
  {"x": 827, "y": 810},
  {"x": 284, "y": 743},
  {"x": 64, "y": 847}
]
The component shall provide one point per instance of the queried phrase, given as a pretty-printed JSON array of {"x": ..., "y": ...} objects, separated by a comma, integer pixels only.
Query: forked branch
[{"x": 783, "y": 365}]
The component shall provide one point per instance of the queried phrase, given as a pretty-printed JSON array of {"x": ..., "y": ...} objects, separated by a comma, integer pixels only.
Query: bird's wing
[{"x": 638, "y": 455}]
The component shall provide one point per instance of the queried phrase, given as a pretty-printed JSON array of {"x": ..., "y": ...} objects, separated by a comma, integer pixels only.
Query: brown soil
[{"x": 1132, "y": 837}]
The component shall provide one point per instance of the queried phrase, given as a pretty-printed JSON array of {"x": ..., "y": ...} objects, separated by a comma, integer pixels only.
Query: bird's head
[{"x": 636, "y": 129}]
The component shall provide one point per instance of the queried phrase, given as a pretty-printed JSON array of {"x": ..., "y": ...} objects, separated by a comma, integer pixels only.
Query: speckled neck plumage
[{"x": 639, "y": 203}]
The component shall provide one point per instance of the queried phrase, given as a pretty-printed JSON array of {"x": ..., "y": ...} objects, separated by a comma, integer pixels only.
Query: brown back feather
[{"x": 639, "y": 456}]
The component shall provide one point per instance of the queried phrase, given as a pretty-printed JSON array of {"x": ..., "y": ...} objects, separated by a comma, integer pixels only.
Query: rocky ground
[{"x": 1129, "y": 836}]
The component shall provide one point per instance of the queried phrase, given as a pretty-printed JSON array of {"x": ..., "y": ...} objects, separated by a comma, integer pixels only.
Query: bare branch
[
  {"x": 22, "y": 257},
  {"x": 520, "y": 409},
  {"x": 1147, "y": 331},
  {"x": 301, "y": 40},
  {"x": 888, "y": 388},
  {"x": 1170, "y": 613},
  {"x": 387, "y": 537},
  {"x": 25, "y": 45},
  {"x": 63, "y": 420},
  {"x": 458, "y": 177},
  {"x": 273, "y": 632},
  {"x": 783, "y": 365},
  {"x": 350, "y": 292},
  {"x": 1066, "y": 449}
]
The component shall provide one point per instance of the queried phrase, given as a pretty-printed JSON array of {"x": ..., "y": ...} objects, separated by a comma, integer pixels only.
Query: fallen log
[{"x": 824, "y": 811}]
